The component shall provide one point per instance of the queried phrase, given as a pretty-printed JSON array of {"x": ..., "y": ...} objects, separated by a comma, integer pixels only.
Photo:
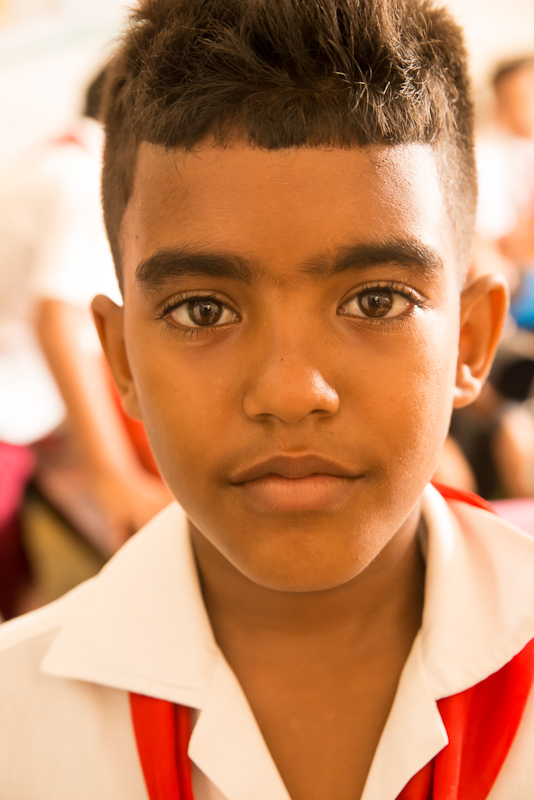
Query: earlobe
[
  {"x": 484, "y": 306},
  {"x": 108, "y": 317}
]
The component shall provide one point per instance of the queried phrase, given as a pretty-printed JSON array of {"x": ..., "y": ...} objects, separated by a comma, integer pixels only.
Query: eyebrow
[
  {"x": 165, "y": 265},
  {"x": 408, "y": 253},
  {"x": 168, "y": 264}
]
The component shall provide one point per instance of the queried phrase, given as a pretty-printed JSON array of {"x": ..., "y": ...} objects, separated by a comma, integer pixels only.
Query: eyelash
[
  {"x": 400, "y": 289},
  {"x": 186, "y": 297},
  {"x": 395, "y": 287}
]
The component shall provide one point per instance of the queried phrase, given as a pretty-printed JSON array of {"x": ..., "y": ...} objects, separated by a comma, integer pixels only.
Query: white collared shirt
[{"x": 141, "y": 626}]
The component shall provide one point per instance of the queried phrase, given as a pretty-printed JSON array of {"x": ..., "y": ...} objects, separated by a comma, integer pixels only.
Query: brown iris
[
  {"x": 204, "y": 312},
  {"x": 377, "y": 302}
]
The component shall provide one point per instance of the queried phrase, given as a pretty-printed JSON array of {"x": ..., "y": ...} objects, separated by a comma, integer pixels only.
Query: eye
[
  {"x": 377, "y": 303},
  {"x": 200, "y": 312}
]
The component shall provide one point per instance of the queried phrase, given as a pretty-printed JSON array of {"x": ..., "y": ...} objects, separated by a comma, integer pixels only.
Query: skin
[
  {"x": 515, "y": 102},
  {"x": 314, "y": 589}
]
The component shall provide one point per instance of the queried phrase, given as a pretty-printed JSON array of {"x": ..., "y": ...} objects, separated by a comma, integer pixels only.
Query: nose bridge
[{"x": 288, "y": 373}]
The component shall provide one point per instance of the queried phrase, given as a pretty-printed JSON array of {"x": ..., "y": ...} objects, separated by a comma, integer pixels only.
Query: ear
[
  {"x": 484, "y": 305},
  {"x": 109, "y": 321}
]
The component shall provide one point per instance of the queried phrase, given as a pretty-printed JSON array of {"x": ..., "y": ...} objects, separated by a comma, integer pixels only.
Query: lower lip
[{"x": 312, "y": 493}]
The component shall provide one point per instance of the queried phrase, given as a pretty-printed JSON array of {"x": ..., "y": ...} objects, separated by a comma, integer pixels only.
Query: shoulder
[
  {"x": 57, "y": 735},
  {"x": 30, "y": 631},
  {"x": 70, "y": 721},
  {"x": 115, "y": 591},
  {"x": 24, "y": 643}
]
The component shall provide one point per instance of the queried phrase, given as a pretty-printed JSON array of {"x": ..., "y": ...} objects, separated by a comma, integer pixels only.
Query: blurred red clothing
[{"x": 16, "y": 467}]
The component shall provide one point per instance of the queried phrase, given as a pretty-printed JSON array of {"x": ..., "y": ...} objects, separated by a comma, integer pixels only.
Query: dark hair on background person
[
  {"x": 291, "y": 73},
  {"x": 94, "y": 96},
  {"x": 506, "y": 68}
]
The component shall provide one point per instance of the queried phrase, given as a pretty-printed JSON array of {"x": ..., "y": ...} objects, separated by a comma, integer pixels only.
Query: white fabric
[
  {"x": 141, "y": 625},
  {"x": 52, "y": 245}
]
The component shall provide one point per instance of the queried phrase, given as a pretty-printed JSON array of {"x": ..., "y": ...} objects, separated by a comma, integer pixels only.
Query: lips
[
  {"x": 293, "y": 468},
  {"x": 296, "y": 483}
]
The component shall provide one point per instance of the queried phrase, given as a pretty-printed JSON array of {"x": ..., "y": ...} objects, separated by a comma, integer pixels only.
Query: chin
[{"x": 302, "y": 574}]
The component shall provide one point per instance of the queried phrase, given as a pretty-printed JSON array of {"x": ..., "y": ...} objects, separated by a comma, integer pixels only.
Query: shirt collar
[
  {"x": 478, "y": 613},
  {"x": 141, "y": 626},
  {"x": 479, "y": 594}
]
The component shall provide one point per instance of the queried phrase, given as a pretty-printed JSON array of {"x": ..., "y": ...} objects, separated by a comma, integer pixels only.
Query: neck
[{"x": 383, "y": 603}]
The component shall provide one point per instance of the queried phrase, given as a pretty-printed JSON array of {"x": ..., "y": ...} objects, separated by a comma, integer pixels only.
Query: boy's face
[{"x": 291, "y": 327}]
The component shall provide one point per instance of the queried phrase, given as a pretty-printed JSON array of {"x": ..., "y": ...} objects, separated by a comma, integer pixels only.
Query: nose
[{"x": 289, "y": 388}]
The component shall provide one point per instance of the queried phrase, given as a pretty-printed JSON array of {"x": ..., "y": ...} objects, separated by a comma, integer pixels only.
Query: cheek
[
  {"x": 403, "y": 386},
  {"x": 424, "y": 393},
  {"x": 186, "y": 402}
]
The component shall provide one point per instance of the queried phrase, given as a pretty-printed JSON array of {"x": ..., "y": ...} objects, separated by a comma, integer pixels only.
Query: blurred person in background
[
  {"x": 491, "y": 449},
  {"x": 56, "y": 404},
  {"x": 506, "y": 183}
]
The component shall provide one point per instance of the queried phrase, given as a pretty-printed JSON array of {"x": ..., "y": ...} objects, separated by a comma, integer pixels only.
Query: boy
[{"x": 289, "y": 192}]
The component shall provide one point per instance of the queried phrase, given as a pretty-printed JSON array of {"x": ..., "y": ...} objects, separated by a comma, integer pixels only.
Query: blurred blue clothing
[{"x": 522, "y": 306}]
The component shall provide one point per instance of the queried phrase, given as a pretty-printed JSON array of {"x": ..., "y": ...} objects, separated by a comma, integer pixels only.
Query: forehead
[{"x": 283, "y": 208}]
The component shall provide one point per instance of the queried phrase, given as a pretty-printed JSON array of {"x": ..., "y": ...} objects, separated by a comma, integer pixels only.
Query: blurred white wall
[
  {"x": 494, "y": 30},
  {"x": 49, "y": 51}
]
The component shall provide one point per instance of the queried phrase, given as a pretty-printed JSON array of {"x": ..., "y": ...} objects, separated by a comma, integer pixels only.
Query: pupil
[
  {"x": 377, "y": 304},
  {"x": 204, "y": 312}
]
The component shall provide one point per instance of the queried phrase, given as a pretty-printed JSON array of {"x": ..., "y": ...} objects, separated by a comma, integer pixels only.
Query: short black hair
[{"x": 290, "y": 73}]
